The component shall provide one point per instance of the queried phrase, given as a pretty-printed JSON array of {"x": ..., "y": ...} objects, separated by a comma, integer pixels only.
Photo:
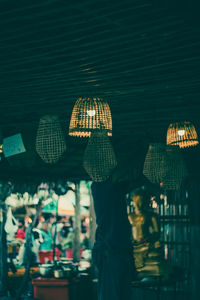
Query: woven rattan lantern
[
  {"x": 175, "y": 168},
  {"x": 88, "y": 115},
  {"x": 182, "y": 134},
  {"x": 99, "y": 158},
  {"x": 50, "y": 140},
  {"x": 153, "y": 169}
]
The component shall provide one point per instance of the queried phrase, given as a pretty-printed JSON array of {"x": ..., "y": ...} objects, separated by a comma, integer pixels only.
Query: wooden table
[
  {"x": 50, "y": 288},
  {"x": 77, "y": 288}
]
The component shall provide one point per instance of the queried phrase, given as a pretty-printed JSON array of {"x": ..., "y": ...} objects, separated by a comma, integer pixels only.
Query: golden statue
[{"x": 147, "y": 249}]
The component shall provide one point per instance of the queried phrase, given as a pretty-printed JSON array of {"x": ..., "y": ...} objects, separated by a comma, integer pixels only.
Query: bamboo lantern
[
  {"x": 88, "y": 115},
  {"x": 175, "y": 168},
  {"x": 99, "y": 158},
  {"x": 50, "y": 140},
  {"x": 182, "y": 134},
  {"x": 153, "y": 169}
]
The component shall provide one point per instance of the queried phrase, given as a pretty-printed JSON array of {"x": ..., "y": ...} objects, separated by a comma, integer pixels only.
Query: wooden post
[
  {"x": 5, "y": 191},
  {"x": 3, "y": 256},
  {"x": 77, "y": 225},
  {"x": 55, "y": 233},
  {"x": 92, "y": 224}
]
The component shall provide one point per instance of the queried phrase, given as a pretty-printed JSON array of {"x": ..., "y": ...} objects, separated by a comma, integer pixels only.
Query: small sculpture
[{"x": 147, "y": 248}]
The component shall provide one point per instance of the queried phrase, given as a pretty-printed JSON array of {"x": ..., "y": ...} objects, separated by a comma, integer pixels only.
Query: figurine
[{"x": 147, "y": 248}]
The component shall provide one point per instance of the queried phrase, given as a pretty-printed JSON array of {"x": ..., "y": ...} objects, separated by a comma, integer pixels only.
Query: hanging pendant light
[
  {"x": 165, "y": 165},
  {"x": 50, "y": 140},
  {"x": 153, "y": 163},
  {"x": 88, "y": 115},
  {"x": 99, "y": 158},
  {"x": 175, "y": 168},
  {"x": 182, "y": 134}
]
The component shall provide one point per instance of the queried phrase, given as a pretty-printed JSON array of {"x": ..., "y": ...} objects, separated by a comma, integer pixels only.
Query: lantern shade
[
  {"x": 175, "y": 168},
  {"x": 182, "y": 134},
  {"x": 88, "y": 115},
  {"x": 153, "y": 169},
  {"x": 165, "y": 164},
  {"x": 99, "y": 158},
  {"x": 50, "y": 140}
]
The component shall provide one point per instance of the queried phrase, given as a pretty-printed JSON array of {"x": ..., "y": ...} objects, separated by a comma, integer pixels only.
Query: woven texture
[
  {"x": 153, "y": 168},
  {"x": 182, "y": 134},
  {"x": 175, "y": 169},
  {"x": 90, "y": 114},
  {"x": 165, "y": 165},
  {"x": 99, "y": 158},
  {"x": 50, "y": 140}
]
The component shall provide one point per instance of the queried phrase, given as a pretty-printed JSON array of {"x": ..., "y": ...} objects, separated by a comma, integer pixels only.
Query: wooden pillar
[
  {"x": 77, "y": 225},
  {"x": 92, "y": 224},
  {"x": 5, "y": 191},
  {"x": 3, "y": 256}
]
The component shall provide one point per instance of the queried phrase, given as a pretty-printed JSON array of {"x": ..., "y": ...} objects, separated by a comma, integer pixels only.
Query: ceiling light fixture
[
  {"x": 88, "y": 115},
  {"x": 182, "y": 134}
]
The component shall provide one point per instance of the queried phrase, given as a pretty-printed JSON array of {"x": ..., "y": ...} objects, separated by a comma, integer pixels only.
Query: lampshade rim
[
  {"x": 181, "y": 141},
  {"x": 88, "y": 131}
]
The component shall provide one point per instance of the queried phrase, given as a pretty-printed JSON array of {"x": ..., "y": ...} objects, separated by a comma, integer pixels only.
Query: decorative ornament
[
  {"x": 99, "y": 158},
  {"x": 153, "y": 169},
  {"x": 174, "y": 167},
  {"x": 50, "y": 140}
]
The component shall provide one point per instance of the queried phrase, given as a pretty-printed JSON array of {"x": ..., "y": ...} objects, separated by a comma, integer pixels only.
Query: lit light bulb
[
  {"x": 91, "y": 113},
  {"x": 181, "y": 132}
]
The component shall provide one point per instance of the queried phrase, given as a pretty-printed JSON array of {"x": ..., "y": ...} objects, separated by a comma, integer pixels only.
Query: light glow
[
  {"x": 181, "y": 132},
  {"x": 91, "y": 113}
]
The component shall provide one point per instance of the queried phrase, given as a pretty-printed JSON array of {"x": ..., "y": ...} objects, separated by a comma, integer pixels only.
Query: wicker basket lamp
[
  {"x": 153, "y": 169},
  {"x": 50, "y": 140},
  {"x": 182, "y": 134},
  {"x": 90, "y": 114},
  {"x": 99, "y": 158},
  {"x": 175, "y": 168}
]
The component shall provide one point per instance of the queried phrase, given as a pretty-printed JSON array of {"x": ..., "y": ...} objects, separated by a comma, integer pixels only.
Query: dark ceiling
[{"x": 142, "y": 56}]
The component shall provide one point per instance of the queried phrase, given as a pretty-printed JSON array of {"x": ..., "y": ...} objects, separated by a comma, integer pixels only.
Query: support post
[
  {"x": 5, "y": 191},
  {"x": 3, "y": 256},
  {"x": 77, "y": 224},
  {"x": 92, "y": 224}
]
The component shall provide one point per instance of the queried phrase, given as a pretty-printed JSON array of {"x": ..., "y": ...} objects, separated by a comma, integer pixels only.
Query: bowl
[
  {"x": 58, "y": 273},
  {"x": 46, "y": 269}
]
